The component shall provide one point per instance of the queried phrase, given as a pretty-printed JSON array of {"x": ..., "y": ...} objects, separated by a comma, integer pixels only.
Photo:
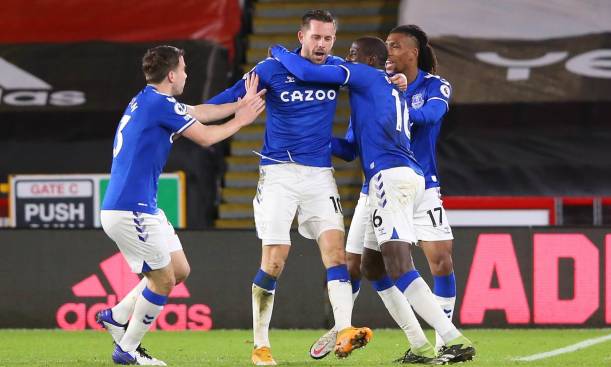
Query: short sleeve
[
  {"x": 173, "y": 115},
  {"x": 264, "y": 70},
  {"x": 440, "y": 89}
]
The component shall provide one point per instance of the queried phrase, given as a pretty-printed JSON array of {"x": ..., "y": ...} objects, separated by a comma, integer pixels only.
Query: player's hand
[
  {"x": 251, "y": 84},
  {"x": 400, "y": 80},
  {"x": 253, "y": 102}
]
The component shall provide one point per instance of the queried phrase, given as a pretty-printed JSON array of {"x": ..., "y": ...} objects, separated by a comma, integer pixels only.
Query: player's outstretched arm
[
  {"x": 248, "y": 110},
  {"x": 307, "y": 71},
  {"x": 211, "y": 112},
  {"x": 205, "y": 113}
]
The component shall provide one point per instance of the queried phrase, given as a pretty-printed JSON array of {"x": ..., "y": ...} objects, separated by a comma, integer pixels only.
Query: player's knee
[
  {"x": 334, "y": 256},
  {"x": 183, "y": 273},
  {"x": 169, "y": 282},
  {"x": 162, "y": 285},
  {"x": 397, "y": 267},
  {"x": 442, "y": 264},
  {"x": 394, "y": 273},
  {"x": 273, "y": 267}
]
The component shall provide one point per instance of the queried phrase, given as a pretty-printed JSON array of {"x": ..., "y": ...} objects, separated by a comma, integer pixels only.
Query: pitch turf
[{"x": 290, "y": 348}]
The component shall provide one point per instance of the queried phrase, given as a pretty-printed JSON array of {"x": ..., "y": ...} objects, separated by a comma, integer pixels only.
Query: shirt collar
[{"x": 411, "y": 88}]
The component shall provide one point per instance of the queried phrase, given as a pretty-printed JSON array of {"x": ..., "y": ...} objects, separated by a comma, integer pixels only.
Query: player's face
[
  {"x": 356, "y": 54},
  {"x": 402, "y": 53},
  {"x": 178, "y": 77},
  {"x": 353, "y": 53},
  {"x": 317, "y": 41}
]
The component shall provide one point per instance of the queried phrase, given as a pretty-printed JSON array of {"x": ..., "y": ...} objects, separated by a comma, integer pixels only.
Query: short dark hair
[
  {"x": 158, "y": 61},
  {"x": 427, "y": 60},
  {"x": 373, "y": 47},
  {"x": 317, "y": 14}
]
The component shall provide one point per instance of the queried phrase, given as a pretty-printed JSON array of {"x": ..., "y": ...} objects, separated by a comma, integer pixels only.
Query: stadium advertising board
[
  {"x": 80, "y": 315},
  {"x": 506, "y": 277},
  {"x": 98, "y": 83},
  {"x": 507, "y": 71},
  {"x": 73, "y": 201}
]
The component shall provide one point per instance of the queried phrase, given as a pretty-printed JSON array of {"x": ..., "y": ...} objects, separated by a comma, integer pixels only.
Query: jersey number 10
[{"x": 402, "y": 118}]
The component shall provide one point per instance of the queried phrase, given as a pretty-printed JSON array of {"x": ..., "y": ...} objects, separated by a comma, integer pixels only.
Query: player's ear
[
  {"x": 171, "y": 76},
  {"x": 300, "y": 36}
]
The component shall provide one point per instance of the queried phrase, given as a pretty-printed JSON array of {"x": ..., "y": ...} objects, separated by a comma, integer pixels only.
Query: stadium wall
[{"x": 506, "y": 277}]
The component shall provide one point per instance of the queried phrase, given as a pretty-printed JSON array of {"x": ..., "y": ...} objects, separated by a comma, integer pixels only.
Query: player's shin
[
  {"x": 356, "y": 289},
  {"x": 421, "y": 298},
  {"x": 123, "y": 310},
  {"x": 401, "y": 312},
  {"x": 340, "y": 295},
  {"x": 148, "y": 306},
  {"x": 263, "y": 290},
  {"x": 445, "y": 293}
]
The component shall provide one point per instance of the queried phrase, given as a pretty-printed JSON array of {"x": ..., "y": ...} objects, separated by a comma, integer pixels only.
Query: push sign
[{"x": 45, "y": 203}]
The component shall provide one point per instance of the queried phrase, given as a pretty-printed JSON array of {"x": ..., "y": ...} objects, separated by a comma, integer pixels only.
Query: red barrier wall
[{"x": 50, "y": 21}]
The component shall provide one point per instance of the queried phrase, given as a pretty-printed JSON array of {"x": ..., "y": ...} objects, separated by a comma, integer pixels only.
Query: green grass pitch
[{"x": 290, "y": 348}]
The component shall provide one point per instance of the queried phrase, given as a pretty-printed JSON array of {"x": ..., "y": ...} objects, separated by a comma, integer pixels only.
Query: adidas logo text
[
  {"x": 20, "y": 88},
  {"x": 175, "y": 316}
]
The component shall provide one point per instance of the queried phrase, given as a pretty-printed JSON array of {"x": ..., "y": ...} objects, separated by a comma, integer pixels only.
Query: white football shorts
[
  {"x": 360, "y": 219},
  {"x": 393, "y": 195},
  {"x": 289, "y": 188},
  {"x": 430, "y": 219},
  {"x": 145, "y": 240}
]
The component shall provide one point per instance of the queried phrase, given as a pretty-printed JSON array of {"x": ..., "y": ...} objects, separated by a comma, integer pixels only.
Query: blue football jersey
[
  {"x": 378, "y": 115},
  {"x": 300, "y": 115},
  {"x": 141, "y": 148},
  {"x": 428, "y": 101}
]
